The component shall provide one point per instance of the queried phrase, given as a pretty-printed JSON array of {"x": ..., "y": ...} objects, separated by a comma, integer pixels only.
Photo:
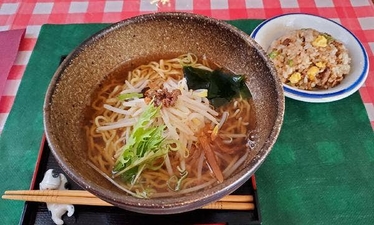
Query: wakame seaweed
[
  {"x": 197, "y": 78},
  {"x": 222, "y": 86}
]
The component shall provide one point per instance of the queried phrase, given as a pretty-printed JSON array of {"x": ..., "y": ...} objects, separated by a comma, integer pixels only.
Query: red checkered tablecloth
[{"x": 356, "y": 15}]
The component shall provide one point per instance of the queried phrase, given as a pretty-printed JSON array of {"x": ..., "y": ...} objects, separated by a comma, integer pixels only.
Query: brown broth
[{"x": 119, "y": 75}]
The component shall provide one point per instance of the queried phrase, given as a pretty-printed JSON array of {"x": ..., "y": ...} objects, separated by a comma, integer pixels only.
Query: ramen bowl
[{"x": 137, "y": 40}]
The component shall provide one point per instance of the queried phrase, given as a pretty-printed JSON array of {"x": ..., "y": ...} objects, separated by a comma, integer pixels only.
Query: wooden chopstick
[
  {"x": 80, "y": 197},
  {"x": 230, "y": 205},
  {"x": 75, "y": 200},
  {"x": 76, "y": 193},
  {"x": 82, "y": 193}
]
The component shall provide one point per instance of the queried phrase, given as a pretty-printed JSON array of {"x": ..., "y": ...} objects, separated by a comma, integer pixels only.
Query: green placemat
[{"x": 319, "y": 171}]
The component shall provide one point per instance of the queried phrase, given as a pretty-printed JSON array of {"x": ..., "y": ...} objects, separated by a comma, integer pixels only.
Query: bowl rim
[
  {"x": 182, "y": 202},
  {"x": 320, "y": 96}
]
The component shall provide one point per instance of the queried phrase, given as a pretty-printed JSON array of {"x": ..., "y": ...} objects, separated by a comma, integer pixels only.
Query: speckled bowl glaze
[{"x": 138, "y": 40}]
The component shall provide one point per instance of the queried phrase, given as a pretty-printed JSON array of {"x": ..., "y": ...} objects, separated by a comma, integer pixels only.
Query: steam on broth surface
[{"x": 169, "y": 128}]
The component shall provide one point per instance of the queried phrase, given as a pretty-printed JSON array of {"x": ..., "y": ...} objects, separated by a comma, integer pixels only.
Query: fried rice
[{"x": 310, "y": 60}]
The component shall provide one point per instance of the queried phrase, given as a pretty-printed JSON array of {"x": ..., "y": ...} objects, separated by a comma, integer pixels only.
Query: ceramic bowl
[
  {"x": 273, "y": 28},
  {"x": 143, "y": 38}
]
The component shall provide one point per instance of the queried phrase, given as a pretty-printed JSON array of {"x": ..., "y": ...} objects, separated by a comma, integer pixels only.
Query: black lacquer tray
[{"x": 37, "y": 213}]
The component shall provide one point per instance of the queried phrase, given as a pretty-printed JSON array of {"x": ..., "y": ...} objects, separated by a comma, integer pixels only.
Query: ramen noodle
[{"x": 153, "y": 136}]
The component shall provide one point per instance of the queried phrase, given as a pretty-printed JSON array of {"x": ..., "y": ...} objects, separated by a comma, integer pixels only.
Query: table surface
[{"x": 356, "y": 15}]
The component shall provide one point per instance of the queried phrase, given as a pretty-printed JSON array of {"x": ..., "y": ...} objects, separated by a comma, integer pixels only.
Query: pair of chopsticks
[{"x": 79, "y": 197}]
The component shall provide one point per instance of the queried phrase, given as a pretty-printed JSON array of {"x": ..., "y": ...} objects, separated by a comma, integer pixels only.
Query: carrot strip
[{"x": 211, "y": 158}]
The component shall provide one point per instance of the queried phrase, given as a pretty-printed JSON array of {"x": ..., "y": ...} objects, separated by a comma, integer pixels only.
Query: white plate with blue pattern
[{"x": 271, "y": 29}]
